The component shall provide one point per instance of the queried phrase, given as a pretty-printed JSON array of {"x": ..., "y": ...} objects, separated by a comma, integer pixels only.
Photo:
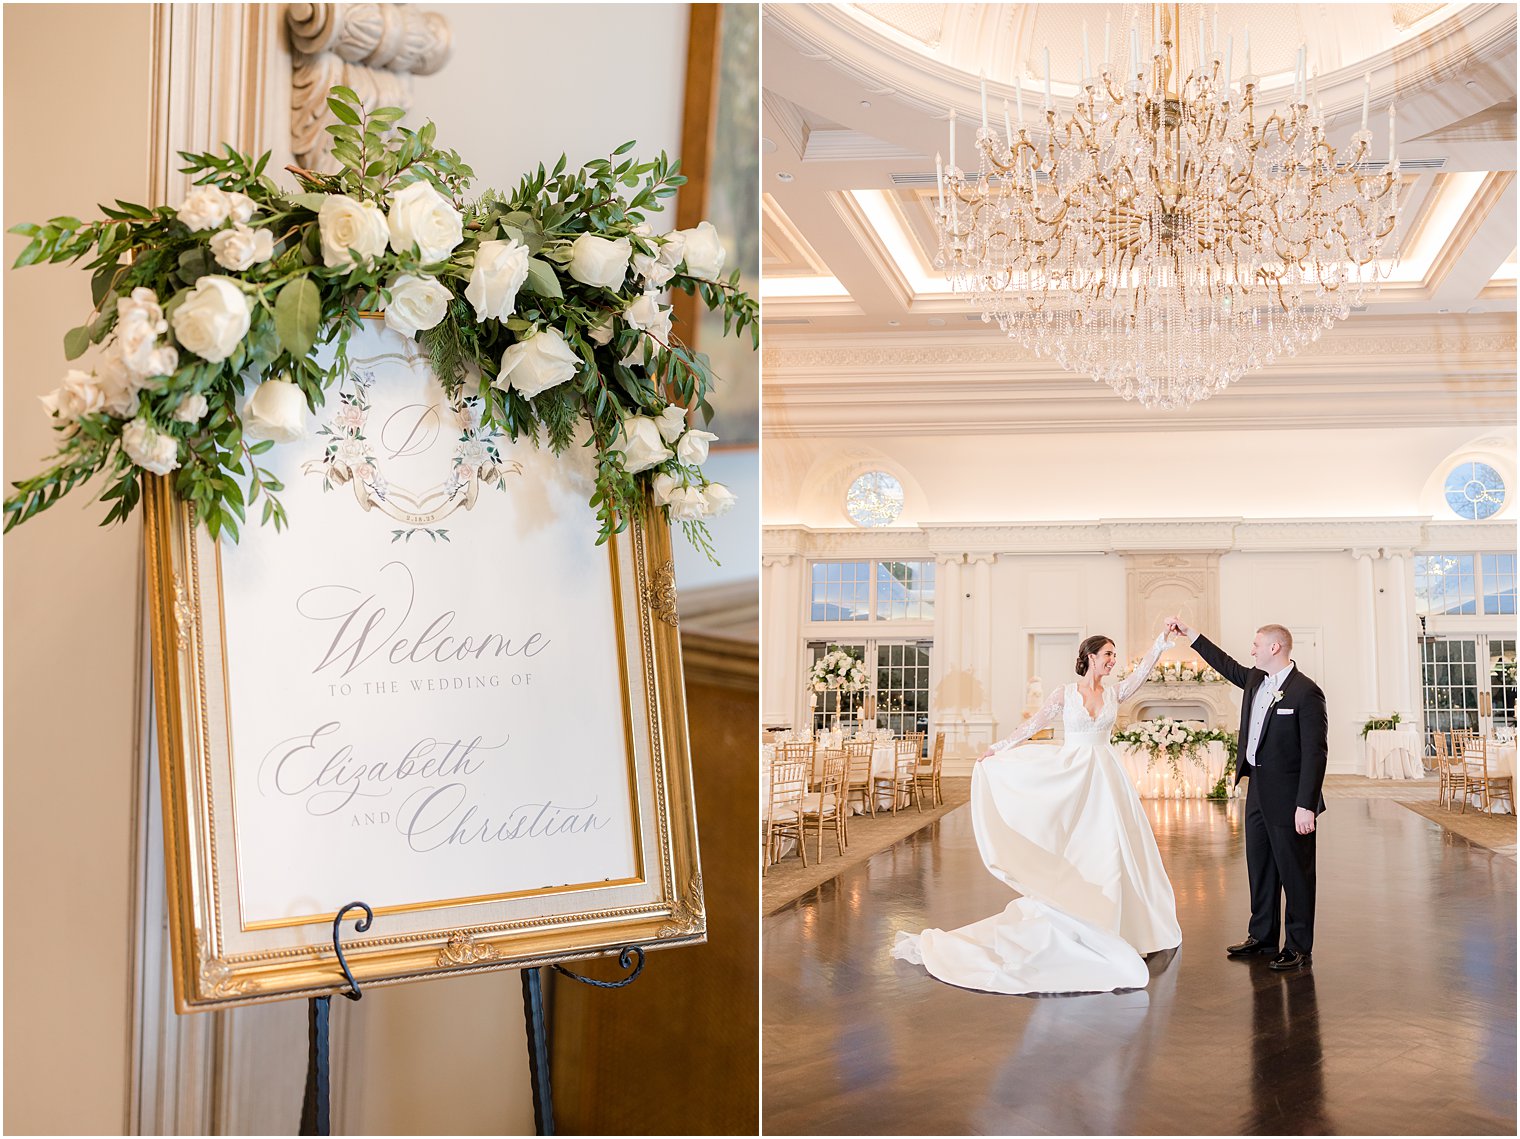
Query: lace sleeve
[
  {"x": 1041, "y": 720},
  {"x": 1131, "y": 683}
]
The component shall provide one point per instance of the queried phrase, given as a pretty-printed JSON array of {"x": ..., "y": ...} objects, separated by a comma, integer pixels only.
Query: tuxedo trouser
[{"x": 1279, "y": 861}]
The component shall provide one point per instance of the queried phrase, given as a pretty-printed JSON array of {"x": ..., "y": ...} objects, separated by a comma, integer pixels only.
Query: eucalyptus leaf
[
  {"x": 75, "y": 342},
  {"x": 542, "y": 279}
]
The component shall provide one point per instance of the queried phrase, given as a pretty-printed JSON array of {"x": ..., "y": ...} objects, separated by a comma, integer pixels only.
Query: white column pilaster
[
  {"x": 781, "y": 602},
  {"x": 1402, "y": 695},
  {"x": 1367, "y": 601},
  {"x": 946, "y": 701},
  {"x": 978, "y": 716}
]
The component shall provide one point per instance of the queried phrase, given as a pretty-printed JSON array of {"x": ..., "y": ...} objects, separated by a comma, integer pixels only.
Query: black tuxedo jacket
[{"x": 1291, "y": 755}]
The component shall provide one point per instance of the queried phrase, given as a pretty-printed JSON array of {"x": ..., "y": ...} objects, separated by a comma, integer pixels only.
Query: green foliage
[
  {"x": 1380, "y": 724},
  {"x": 304, "y": 312}
]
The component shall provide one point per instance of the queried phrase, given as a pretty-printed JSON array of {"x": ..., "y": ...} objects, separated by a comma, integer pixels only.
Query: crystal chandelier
[{"x": 1169, "y": 235}]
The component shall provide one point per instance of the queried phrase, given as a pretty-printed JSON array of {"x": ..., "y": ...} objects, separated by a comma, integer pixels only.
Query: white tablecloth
[
  {"x": 1396, "y": 753},
  {"x": 882, "y": 756},
  {"x": 1155, "y": 780}
]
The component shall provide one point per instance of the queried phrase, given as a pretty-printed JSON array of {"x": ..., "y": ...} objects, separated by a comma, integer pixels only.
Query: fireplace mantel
[{"x": 1217, "y": 705}]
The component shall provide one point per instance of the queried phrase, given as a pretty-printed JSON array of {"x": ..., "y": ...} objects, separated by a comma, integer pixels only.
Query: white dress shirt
[{"x": 1261, "y": 708}]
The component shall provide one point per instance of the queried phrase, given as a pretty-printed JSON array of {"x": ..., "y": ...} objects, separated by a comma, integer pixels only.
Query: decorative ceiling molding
[
  {"x": 786, "y": 117},
  {"x": 1207, "y": 536},
  {"x": 373, "y": 49},
  {"x": 851, "y": 146},
  {"x": 788, "y": 252}
]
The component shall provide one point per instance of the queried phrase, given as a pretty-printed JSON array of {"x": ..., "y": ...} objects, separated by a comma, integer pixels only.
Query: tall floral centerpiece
[
  {"x": 218, "y": 321},
  {"x": 837, "y": 670}
]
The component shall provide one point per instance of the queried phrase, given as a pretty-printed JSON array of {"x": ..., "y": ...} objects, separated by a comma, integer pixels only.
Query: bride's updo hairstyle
[{"x": 1087, "y": 649}]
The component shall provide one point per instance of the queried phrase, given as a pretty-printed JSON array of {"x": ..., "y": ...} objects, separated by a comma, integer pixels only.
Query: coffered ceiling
[{"x": 856, "y": 103}]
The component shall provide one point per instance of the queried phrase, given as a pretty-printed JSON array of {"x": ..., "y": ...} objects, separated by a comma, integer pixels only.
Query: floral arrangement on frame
[{"x": 540, "y": 309}]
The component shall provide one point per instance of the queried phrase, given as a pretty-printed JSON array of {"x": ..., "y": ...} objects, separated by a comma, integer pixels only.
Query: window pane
[
  {"x": 905, "y": 591},
  {"x": 840, "y": 591}
]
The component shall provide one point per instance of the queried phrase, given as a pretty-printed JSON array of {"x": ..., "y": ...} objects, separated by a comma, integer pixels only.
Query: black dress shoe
[
  {"x": 1288, "y": 959},
  {"x": 1248, "y": 946}
]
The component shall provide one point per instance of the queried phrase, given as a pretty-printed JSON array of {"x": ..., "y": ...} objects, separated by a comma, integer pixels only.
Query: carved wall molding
[
  {"x": 1189, "y": 538},
  {"x": 375, "y": 49}
]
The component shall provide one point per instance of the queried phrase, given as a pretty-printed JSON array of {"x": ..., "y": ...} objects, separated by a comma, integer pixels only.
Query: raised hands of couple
[{"x": 1175, "y": 628}]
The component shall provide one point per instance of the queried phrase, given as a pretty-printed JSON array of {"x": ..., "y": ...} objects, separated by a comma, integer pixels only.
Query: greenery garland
[
  {"x": 1174, "y": 740},
  {"x": 542, "y": 305},
  {"x": 1381, "y": 724}
]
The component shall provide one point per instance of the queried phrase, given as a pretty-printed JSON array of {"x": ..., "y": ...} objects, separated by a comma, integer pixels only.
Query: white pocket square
[{"x": 1286, "y": 711}]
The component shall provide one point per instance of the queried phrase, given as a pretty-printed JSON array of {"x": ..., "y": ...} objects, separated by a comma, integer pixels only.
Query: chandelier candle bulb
[
  {"x": 1134, "y": 51},
  {"x": 939, "y": 177},
  {"x": 984, "y": 101},
  {"x": 1048, "y": 103},
  {"x": 1215, "y": 39},
  {"x": 1229, "y": 60},
  {"x": 1018, "y": 94},
  {"x": 1298, "y": 76},
  {"x": 1249, "y": 72},
  {"x": 1366, "y": 97},
  {"x": 1007, "y": 126},
  {"x": 1086, "y": 63},
  {"x": 952, "y": 139},
  {"x": 1202, "y": 62},
  {"x": 1107, "y": 54}
]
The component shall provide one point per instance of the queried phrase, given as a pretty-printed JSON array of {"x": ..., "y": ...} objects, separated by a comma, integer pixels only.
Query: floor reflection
[{"x": 1404, "y": 1025}]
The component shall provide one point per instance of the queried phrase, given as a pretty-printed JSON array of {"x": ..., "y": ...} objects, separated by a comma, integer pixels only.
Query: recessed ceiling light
[
  {"x": 1443, "y": 310},
  {"x": 865, "y": 104},
  {"x": 784, "y": 176},
  {"x": 893, "y": 323},
  {"x": 1472, "y": 84},
  {"x": 937, "y": 321},
  {"x": 768, "y": 145}
]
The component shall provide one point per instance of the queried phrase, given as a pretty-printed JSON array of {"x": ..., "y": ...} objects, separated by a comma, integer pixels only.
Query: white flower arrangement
[
  {"x": 1174, "y": 672},
  {"x": 838, "y": 670},
  {"x": 1174, "y": 740}
]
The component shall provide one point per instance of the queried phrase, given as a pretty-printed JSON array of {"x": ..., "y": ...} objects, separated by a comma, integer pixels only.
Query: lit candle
[
  {"x": 1047, "y": 79},
  {"x": 1007, "y": 126},
  {"x": 952, "y": 139},
  {"x": 984, "y": 101},
  {"x": 939, "y": 176},
  {"x": 1366, "y": 97}
]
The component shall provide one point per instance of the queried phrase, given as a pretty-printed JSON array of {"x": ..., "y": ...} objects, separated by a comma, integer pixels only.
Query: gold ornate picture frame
[{"x": 506, "y": 797}]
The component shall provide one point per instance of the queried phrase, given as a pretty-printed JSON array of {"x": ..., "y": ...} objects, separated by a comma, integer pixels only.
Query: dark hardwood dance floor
[{"x": 1405, "y": 1023}]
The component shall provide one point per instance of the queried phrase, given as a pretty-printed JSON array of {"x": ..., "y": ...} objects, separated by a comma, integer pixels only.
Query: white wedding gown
[{"x": 1062, "y": 825}]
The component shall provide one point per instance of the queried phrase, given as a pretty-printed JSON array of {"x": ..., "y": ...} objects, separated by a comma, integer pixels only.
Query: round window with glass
[
  {"x": 1474, "y": 491},
  {"x": 874, "y": 499}
]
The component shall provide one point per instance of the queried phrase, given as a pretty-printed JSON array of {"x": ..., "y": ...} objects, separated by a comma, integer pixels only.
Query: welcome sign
[{"x": 432, "y": 693}]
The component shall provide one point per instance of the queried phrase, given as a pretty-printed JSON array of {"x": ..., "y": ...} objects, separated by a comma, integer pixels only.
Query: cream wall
[
  {"x": 71, "y": 599},
  {"x": 1345, "y": 473}
]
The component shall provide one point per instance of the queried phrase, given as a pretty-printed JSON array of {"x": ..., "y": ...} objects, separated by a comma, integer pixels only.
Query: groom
[{"x": 1283, "y": 727}]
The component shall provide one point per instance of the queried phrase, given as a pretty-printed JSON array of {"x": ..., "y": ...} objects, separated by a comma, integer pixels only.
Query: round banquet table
[
  {"x": 1154, "y": 780},
  {"x": 1396, "y": 753},
  {"x": 1501, "y": 762}
]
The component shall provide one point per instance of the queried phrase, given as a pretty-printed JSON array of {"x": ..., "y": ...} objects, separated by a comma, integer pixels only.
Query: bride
[{"x": 1062, "y": 825}]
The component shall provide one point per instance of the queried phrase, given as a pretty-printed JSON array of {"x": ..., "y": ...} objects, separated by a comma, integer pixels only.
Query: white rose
[
  {"x": 537, "y": 364},
  {"x": 79, "y": 395},
  {"x": 640, "y": 445},
  {"x": 664, "y": 484},
  {"x": 241, "y": 207},
  {"x": 276, "y": 410},
  {"x": 673, "y": 248},
  {"x": 599, "y": 261},
  {"x": 240, "y": 247},
  {"x": 672, "y": 422},
  {"x": 205, "y": 207},
  {"x": 138, "y": 343},
  {"x": 117, "y": 382},
  {"x": 142, "y": 303},
  {"x": 421, "y": 216},
  {"x": 163, "y": 361},
  {"x": 601, "y": 333},
  {"x": 687, "y": 504},
  {"x": 692, "y": 448},
  {"x": 643, "y": 312},
  {"x": 654, "y": 272},
  {"x": 348, "y": 227},
  {"x": 720, "y": 499},
  {"x": 500, "y": 269},
  {"x": 191, "y": 409},
  {"x": 148, "y": 449},
  {"x": 213, "y": 319},
  {"x": 704, "y": 251},
  {"x": 416, "y": 303}
]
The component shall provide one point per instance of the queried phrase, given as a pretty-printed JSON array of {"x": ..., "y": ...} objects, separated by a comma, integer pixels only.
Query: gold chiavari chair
[
  {"x": 900, "y": 782},
  {"x": 796, "y": 751},
  {"x": 1469, "y": 772},
  {"x": 926, "y": 777},
  {"x": 1443, "y": 760},
  {"x": 824, "y": 808},
  {"x": 783, "y": 816},
  {"x": 857, "y": 775},
  {"x": 1496, "y": 788}
]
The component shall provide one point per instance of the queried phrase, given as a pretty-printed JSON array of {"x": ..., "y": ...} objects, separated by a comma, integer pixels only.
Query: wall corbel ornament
[{"x": 374, "y": 49}]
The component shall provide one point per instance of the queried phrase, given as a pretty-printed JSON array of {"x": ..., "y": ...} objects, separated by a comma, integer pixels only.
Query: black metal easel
[
  {"x": 538, "y": 1033},
  {"x": 314, "y": 1106}
]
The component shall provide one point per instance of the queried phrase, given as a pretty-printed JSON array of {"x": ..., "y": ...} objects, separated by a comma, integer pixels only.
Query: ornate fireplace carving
[{"x": 1217, "y": 705}]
